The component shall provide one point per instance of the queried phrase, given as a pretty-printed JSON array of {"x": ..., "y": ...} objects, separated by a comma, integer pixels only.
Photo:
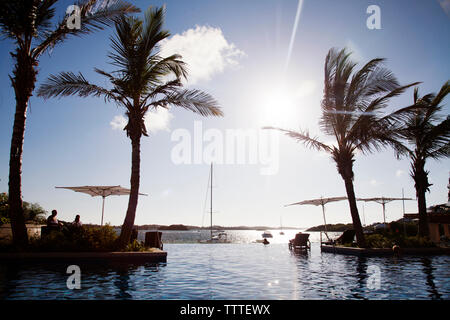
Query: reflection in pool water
[{"x": 239, "y": 271}]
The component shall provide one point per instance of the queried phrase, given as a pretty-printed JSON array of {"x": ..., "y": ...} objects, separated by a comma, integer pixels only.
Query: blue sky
[{"x": 237, "y": 51}]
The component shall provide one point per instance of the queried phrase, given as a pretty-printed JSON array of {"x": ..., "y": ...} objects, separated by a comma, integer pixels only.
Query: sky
[{"x": 263, "y": 61}]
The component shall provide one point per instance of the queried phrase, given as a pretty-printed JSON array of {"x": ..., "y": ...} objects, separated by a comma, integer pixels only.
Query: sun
[{"x": 278, "y": 106}]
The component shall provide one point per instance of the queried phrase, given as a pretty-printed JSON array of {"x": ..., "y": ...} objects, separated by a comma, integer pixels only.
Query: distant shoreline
[
  {"x": 339, "y": 227},
  {"x": 182, "y": 227}
]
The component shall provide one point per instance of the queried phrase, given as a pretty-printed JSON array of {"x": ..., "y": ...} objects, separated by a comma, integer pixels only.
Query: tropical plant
[
  {"x": 4, "y": 212},
  {"x": 352, "y": 112},
  {"x": 424, "y": 134},
  {"x": 143, "y": 80},
  {"x": 86, "y": 238},
  {"x": 32, "y": 212},
  {"x": 29, "y": 24}
]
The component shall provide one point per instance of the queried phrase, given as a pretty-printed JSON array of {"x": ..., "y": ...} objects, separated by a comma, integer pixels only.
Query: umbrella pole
[
  {"x": 324, "y": 221},
  {"x": 103, "y": 208},
  {"x": 384, "y": 212}
]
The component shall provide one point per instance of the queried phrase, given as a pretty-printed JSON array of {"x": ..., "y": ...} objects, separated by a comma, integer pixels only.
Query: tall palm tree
[
  {"x": 29, "y": 24},
  {"x": 144, "y": 80},
  {"x": 424, "y": 134},
  {"x": 352, "y": 112}
]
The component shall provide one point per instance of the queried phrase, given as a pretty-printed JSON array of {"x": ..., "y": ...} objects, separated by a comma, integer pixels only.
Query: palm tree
[
  {"x": 143, "y": 81},
  {"x": 424, "y": 134},
  {"x": 351, "y": 112},
  {"x": 28, "y": 24}
]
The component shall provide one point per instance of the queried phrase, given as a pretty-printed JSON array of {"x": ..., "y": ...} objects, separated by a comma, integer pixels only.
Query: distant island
[
  {"x": 339, "y": 227},
  {"x": 182, "y": 227}
]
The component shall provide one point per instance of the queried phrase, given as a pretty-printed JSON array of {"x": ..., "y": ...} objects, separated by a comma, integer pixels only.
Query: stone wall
[{"x": 34, "y": 230}]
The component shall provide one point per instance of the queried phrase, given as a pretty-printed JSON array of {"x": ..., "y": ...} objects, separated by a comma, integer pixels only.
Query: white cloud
[
  {"x": 399, "y": 173},
  {"x": 373, "y": 182},
  {"x": 205, "y": 51},
  {"x": 158, "y": 120},
  {"x": 155, "y": 121},
  {"x": 118, "y": 123},
  {"x": 357, "y": 55}
]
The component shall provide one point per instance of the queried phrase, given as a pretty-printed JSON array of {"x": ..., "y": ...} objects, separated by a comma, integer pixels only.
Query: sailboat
[
  {"x": 281, "y": 227},
  {"x": 222, "y": 236}
]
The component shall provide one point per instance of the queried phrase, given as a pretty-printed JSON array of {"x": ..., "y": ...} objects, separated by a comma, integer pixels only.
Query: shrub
[
  {"x": 378, "y": 241},
  {"x": 71, "y": 239},
  {"x": 31, "y": 211},
  {"x": 417, "y": 242},
  {"x": 389, "y": 240},
  {"x": 136, "y": 246}
]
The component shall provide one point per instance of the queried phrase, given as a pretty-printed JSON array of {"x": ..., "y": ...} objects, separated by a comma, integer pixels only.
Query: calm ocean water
[{"x": 240, "y": 270}]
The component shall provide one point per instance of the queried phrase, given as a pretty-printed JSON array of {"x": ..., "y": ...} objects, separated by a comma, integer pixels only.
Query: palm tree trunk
[
  {"x": 357, "y": 226},
  {"x": 423, "y": 218},
  {"x": 127, "y": 227},
  {"x": 23, "y": 83},
  {"x": 19, "y": 230},
  {"x": 344, "y": 161},
  {"x": 421, "y": 185}
]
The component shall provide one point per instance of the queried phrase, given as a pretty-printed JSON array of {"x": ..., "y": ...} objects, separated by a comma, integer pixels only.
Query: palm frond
[
  {"x": 439, "y": 153},
  {"x": 95, "y": 15},
  {"x": 437, "y": 139},
  {"x": 26, "y": 19},
  {"x": 152, "y": 31},
  {"x": 369, "y": 127},
  {"x": 70, "y": 84},
  {"x": 417, "y": 127},
  {"x": 305, "y": 138},
  {"x": 443, "y": 92},
  {"x": 168, "y": 65},
  {"x": 194, "y": 100},
  {"x": 165, "y": 89}
]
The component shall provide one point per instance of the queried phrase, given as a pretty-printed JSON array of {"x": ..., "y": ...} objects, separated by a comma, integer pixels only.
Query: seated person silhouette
[
  {"x": 77, "y": 222},
  {"x": 52, "y": 221}
]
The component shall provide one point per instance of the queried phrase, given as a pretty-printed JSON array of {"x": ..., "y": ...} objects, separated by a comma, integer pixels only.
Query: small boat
[
  {"x": 267, "y": 234},
  {"x": 220, "y": 237},
  {"x": 281, "y": 227}
]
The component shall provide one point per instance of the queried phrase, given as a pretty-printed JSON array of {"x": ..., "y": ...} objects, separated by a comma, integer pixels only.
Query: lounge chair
[
  {"x": 153, "y": 239},
  {"x": 300, "y": 242},
  {"x": 346, "y": 237}
]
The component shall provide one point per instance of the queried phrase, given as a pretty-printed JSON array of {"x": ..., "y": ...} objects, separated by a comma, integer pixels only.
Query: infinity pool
[{"x": 239, "y": 271}]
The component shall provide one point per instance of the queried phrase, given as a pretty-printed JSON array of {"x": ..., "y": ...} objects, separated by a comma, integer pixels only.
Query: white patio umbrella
[
  {"x": 383, "y": 202},
  {"x": 319, "y": 202},
  {"x": 102, "y": 191}
]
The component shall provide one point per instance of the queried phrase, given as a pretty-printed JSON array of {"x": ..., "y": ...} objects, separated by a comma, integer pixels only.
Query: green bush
[
  {"x": 31, "y": 211},
  {"x": 378, "y": 241},
  {"x": 136, "y": 246},
  {"x": 390, "y": 239},
  {"x": 71, "y": 239},
  {"x": 417, "y": 242},
  {"x": 4, "y": 218}
]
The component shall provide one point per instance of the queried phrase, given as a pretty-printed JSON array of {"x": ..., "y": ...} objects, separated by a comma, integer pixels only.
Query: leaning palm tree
[
  {"x": 352, "y": 112},
  {"x": 29, "y": 24},
  {"x": 424, "y": 134},
  {"x": 144, "y": 80}
]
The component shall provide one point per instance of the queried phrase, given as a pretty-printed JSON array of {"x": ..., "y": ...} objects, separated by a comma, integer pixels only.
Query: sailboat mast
[{"x": 211, "y": 199}]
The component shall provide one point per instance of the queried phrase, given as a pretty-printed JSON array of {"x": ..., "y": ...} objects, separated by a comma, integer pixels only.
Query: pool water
[{"x": 238, "y": 271}]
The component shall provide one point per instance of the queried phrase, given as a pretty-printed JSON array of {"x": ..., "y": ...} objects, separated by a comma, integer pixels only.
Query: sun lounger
[
  {"x": 300, "y": 242},
  {"x": 346, "y": 237}
]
